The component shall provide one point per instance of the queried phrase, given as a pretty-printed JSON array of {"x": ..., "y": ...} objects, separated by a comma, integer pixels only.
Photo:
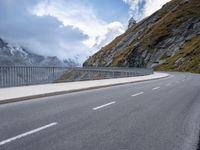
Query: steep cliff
[{"x": 167, "y": 40}]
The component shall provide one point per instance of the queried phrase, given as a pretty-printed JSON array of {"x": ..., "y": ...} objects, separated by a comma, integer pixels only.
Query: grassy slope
[
  {"x": 190, "y": 54},
  {"x": 105, "y": 50},
  {"x": 168, "y": 19}
]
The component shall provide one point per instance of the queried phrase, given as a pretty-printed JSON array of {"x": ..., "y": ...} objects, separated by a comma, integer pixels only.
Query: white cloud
[
  {"x": 143, "y": 8},
  {"x": 152, "y": 6},
  {"x": 81, "y": 17},
  {"x": 134, "y": 8},
  {"x": 63, "y": 28},
  {"x": 113, "y": 29}
]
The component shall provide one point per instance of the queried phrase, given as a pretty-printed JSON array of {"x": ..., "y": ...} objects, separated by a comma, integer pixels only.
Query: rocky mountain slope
[
  {"x": 167, "y": 40},
  {"x": 18, "y": 56}
]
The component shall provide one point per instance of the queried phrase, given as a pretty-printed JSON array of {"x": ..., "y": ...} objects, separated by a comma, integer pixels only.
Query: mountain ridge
[
  {"x": 18, "y": 56},
  {"x": 154, "y": 40}
]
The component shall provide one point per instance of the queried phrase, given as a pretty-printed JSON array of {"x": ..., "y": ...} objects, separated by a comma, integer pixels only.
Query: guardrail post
[
  {"x": 54, "y": 74},
  {"x": 1, "y": 74}
]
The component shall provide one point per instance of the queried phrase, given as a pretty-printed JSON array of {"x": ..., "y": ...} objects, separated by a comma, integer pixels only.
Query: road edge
[{"x": 6, "y": 101}]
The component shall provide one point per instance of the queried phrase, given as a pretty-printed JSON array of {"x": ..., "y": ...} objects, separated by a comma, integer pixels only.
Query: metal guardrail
[
  {"x": 24, "y": 75},
  {"x": 115, "y": 72}
]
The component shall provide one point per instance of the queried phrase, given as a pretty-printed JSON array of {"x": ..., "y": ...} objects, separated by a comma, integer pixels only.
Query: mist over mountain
[{"x": 18, "y": 56}]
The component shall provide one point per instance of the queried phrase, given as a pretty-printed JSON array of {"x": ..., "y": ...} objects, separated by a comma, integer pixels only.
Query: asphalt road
[{"x": 161, "y": 114}]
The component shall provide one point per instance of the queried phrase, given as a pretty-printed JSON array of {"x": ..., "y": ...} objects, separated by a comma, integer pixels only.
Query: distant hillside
[
  {"x": 18, "y": 56},
  {"x": 167, "y": 40}
]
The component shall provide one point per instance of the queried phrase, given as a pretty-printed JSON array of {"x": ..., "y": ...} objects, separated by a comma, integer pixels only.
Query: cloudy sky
[{"x": 69, "y": 28}]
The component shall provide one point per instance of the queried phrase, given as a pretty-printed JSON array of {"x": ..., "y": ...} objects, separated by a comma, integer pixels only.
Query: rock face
[
  {"x": 131, "y": 22},
  {"x": 18, "y": 56},
  {"x": 157, "y": 39}
]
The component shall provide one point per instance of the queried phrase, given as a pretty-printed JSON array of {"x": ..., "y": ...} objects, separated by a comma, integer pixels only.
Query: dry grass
[
  {"x": 190, "y": 53},
  {"x": 168, "y": 19}
]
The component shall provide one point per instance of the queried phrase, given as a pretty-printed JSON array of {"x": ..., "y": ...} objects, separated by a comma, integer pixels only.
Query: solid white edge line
[
  {"x": 96, "y": 108},
  {"x": 27, "y": 133},
  {"x": 156, "y": 88},
  {"x": 137, "y": 94}
]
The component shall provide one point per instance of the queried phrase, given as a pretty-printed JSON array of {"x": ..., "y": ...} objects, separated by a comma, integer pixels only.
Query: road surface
[{"x": 160, "y": 114}]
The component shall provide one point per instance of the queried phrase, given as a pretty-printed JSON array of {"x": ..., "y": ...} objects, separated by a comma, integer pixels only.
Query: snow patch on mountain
[{"x": 11, "y": 55}]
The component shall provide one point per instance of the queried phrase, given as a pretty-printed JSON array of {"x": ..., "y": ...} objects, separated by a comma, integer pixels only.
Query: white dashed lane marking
[
  {"x": 27, "y": 133},
  {"x": 156, "y": 88},
  {"x": 137, "y": 94},
  {"x": 102, "y": 106}
]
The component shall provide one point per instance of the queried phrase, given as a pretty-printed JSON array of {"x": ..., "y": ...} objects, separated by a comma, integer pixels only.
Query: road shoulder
[{"x": 15, "y": 94}]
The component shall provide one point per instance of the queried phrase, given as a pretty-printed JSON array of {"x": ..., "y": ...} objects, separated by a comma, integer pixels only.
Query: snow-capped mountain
[{"x": 11, "y": 55}]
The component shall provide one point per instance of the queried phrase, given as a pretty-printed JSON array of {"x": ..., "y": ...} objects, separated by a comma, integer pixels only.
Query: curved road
[{"x": 160, "y": 114}]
